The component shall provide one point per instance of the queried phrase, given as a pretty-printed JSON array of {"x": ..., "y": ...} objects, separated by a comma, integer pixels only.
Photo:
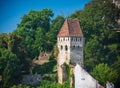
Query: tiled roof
[{"x": 71, "y": 27}]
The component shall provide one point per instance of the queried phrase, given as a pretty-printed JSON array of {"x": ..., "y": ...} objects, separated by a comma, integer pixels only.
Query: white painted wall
[{"x": 83, "y": 79}]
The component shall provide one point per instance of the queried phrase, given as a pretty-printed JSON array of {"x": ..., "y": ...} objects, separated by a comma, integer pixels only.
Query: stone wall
[{"x": 31, "y": 79}]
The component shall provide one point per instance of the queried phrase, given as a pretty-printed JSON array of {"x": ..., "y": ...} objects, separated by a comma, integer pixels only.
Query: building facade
[{"x": 70, "y": 42}]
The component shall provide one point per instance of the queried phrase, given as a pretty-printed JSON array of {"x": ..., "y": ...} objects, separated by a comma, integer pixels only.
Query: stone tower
[{"x": 70, "y": 43}]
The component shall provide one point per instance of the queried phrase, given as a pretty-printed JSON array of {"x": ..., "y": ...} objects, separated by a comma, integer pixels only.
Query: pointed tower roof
[{"x": 71, "y": 27}]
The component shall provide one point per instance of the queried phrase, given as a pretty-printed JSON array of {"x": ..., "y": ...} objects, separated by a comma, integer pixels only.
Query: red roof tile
[{"x": 71, "y": 27}]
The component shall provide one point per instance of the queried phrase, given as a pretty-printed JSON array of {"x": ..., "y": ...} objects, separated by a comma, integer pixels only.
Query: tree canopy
[
  {"x": 97, "y": 21},
  {"x": 103, "y": 73}
]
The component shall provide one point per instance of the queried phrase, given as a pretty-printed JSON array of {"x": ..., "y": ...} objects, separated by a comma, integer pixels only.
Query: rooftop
[{"x": 71, "y": 27}]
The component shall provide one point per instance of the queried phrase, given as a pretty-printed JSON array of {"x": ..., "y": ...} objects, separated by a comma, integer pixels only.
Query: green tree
[
  {"x": 116, "y": 66},
  {"x": 3, "y": 41},
  {"x": 49, "y": 84},
  {"x": 13, "y": 59},
  {"x": 20, "y": 86},
  {"x": 54, "y": 29},
  {"x": 103, "y": 73},
  {"x": 40, "y": 41},
  {"x": 56, "y": 51},
  {"x": 10, "y": 68},
  {"x": 92, "y": 53},
  {"x": 15, "y": 45},
  {"x": 98, "y": 21},
  {"x": 32, "y": 24}
]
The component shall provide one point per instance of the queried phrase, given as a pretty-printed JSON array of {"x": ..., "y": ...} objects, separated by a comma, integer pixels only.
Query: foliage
[
  {"x": 10, "y": 68},
  {"x": 116, "y": 67},
  {"x": 35, "y": 33},
  {"x": 98, "y": 22},
  {"x": 45, "y": 68},
  {"x": 103, "y": 73},
  {"x": 67, "y": 68},
  {"x": 13, "y": 59},
  {"x": 38, "y": 32},
  {"x": 45, "y": 84},
  {"x": 49, "y": 84},
  {"x": 20, "y": 86},
  {"x": 50, "y": 77},
  {"x": 54, "y": 29},
  {"x": 56, "y": 51},
  {"x": 33, "y": 28}
]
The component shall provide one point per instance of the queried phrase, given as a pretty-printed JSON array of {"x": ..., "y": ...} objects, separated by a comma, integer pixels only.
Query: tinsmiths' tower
[{"x": 70, "y": 43}]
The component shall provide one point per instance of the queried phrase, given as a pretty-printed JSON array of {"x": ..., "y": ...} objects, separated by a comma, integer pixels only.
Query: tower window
[
  {"x": 80, "y": 39},
  {"x": 61, "y": 47},
  {"x": 66, "y": 47},
  {"x": 76, "y": 39},
  {"x": 71, "y": 39},
  {"x": 68, "y": 38},
  {"x": 74, "y": 46}
]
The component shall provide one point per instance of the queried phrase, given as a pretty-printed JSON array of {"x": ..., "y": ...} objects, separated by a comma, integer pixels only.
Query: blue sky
[{"x": 11, "y": 11}]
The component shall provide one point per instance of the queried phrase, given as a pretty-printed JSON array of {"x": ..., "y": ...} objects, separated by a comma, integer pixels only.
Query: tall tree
[
  {"x": 31, "y": 25},
  {"x": 54, "y": 29},
  {"x": 103, "y": 73},
  {"x": 14, "y": 59},
  {"x": 10, "y": 68},
  {"x": 98, "y": 19}
]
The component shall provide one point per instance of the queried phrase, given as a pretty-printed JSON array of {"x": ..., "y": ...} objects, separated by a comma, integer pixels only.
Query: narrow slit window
[
  {"x": 80, "y": 39},
  {"x": 71, "y": 39},
  {"x": 66, "y": 47},
  {"x": 61, "y": 47},
  {"x": 76, "y": 39}
]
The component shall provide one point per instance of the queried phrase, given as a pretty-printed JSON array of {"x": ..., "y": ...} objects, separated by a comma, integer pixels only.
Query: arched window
[
  {"x": 61, "y": 47},
  {"x": 66, "y": 47}
]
